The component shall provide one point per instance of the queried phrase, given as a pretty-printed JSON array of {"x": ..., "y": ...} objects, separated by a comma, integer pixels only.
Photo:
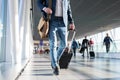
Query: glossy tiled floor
[
  {"x": 79, "y": 69},
  {"x": 9, "y": 71}
]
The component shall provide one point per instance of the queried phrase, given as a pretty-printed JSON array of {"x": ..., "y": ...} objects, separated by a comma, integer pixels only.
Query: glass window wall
[
  {"x": 99, "y": 37},
  {"x": 2, "y": 29}
]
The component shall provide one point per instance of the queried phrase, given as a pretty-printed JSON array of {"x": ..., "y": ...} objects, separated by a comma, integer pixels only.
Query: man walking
[
  {"x": 74, "y": 47},
  {"x": 60, "y": 17},
  {"x": 106, "y": 42},
  {"x": 85, "y": 45}
]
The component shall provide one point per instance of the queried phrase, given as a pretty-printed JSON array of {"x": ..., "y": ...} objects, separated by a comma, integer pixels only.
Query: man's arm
[
  {"x": 69, "y": 12},
  {"x": 44, "y": 8},
  {"x": 40, "y": 4},
  {"x": 110, "y": 39},
  {"x": 70, "y": 19}
]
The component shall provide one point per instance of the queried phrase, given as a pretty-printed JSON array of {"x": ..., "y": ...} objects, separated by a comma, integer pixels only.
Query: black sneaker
[{"x": 56, "y": 71}]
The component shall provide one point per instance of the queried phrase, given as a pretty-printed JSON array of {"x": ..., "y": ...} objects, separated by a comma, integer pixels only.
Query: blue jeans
[{"x": 57, "y": 30}]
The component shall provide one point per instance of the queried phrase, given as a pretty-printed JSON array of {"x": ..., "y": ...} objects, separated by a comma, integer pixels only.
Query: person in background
[
  {"x": 74, "y": 46},
  {"x": 85, "y": 45},
  {"x": 107, "y": 41},
  {"x": 61, "y": 17},
  {"x": 91, "y": 43}
]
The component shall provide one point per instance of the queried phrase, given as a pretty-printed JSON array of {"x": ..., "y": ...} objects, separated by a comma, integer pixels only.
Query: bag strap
[
  {"x": 50, "y": 3},
  {"x": 50, "y": 6}
]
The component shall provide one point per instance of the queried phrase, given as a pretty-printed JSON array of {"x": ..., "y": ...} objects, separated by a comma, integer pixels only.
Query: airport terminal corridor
[
  {"x": 79, "y": 69},
  {"x": 24, "y": 54}
]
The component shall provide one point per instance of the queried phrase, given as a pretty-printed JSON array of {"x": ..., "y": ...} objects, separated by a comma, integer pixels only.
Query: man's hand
[
  {"x": 72, "y": 26},
  {"x": 47, "y": 10}
]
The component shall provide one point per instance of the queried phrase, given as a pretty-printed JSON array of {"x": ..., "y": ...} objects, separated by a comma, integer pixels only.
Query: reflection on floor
[
  {"x": 79, "y": 69},
  {"x": 9, "y": 71}
]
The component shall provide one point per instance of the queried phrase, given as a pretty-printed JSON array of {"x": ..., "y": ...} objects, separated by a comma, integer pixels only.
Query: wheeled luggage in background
[
  {"x": 92, "y": 54},
  {"x": 82, "y": 50},
  {"x": 66, "y": 56}
]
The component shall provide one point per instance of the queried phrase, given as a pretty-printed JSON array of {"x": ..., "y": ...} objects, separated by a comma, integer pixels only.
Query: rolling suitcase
[
  {"x": 82, "y": 50},
  {"x": 92, "y": 54},
  {"x": 65, "y": 60},
  {"x": 66, "y": 56}
]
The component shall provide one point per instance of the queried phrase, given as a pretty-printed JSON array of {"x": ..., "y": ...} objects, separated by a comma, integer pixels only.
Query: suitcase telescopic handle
[{"x": 74, "y": 32}]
